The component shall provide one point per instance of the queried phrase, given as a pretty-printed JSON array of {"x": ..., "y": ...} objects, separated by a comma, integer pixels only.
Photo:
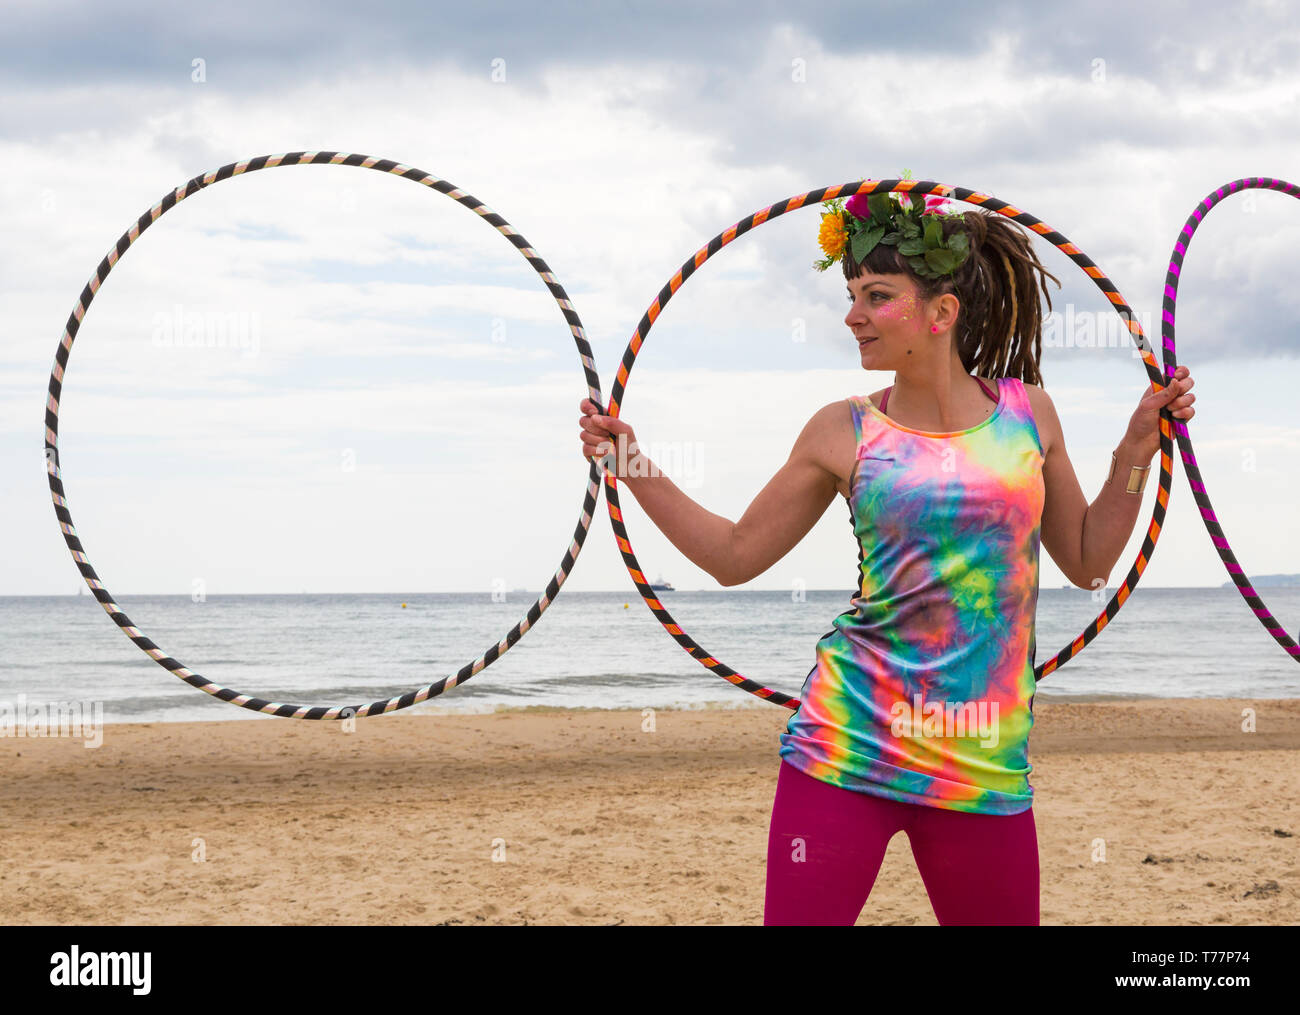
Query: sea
[{"x": 589, "y": 650}]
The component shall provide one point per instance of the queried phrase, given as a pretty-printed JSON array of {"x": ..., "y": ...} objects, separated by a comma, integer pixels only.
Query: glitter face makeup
[
  {"x": 901, "y": 308},
  {"x": 880, "y": 309}
]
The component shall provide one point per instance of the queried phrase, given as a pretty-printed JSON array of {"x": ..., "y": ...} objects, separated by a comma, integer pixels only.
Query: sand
[{"x": 581, "y": 817}]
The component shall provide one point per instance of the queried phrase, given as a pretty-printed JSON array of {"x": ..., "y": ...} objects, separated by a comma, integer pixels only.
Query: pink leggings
[{"x": 826, "y": 844}]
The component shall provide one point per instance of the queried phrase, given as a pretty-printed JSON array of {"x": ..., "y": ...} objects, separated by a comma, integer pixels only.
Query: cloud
[{"x": 618, "y": 139}]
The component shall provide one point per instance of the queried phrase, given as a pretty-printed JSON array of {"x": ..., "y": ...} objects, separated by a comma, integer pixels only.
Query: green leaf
[
  {"x": 880, "y": 210},
  {"x": 940, "y": 260},
  {"x": 893, "y": 237},
  {"x": 933, "y": 232},
  {"x": 959, "y": 243},
  {"x": 865, "y": 241},
  {"x": 912, "y": 246}
]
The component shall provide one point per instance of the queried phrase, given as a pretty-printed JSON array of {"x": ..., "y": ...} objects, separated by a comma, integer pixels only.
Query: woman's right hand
[{"x": 601, "y": 435}]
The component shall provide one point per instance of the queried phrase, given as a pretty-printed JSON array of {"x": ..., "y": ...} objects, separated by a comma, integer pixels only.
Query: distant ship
[{"x": 659, "y": 585}]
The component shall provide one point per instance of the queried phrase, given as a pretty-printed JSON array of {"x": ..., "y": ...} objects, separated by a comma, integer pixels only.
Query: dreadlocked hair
[{"x": 999, "y": 330}]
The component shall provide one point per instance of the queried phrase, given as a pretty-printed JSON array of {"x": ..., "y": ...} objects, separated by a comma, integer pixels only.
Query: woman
[{"x": 917, "y": 713}]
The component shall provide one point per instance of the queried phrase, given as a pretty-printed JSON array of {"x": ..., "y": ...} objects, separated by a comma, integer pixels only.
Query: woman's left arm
[{"x": 1086, "y": 539}]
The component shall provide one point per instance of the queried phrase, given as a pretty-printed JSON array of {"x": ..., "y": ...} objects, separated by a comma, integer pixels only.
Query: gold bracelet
[{"x": 1137, "y": 476}]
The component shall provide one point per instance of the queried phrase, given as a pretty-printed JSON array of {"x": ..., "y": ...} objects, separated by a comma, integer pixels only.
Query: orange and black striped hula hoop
[
  {"x": 1170, "y": 304},
  {"x": 815, "y": 198}
]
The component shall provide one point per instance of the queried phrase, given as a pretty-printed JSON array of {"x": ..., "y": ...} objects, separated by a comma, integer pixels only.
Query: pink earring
[{"x": 934, "y": 328}]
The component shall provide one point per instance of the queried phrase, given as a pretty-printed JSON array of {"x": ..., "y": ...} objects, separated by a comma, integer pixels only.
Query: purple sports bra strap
[{"x": 884, "y": 399}]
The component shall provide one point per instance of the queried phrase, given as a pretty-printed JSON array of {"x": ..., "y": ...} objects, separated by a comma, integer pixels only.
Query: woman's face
[{"x": 887, "y": 318}]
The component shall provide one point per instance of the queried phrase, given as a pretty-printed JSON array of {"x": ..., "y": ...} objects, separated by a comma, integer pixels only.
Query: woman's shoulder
[
  {"x": 1045, "y": 418},
  {"x": 1038, "y": 397},
  {"x": 830, "y": 437},
  {"x": 837, "y": 417}
]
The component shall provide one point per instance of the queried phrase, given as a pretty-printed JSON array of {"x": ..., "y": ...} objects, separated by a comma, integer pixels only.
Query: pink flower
[
  {"x": 857, "y": 206},
  {"x": 937, "y": 205}
]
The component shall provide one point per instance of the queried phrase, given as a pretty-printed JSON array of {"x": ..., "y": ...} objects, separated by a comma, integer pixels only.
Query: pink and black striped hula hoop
[{"x": 1170, "y": 303}]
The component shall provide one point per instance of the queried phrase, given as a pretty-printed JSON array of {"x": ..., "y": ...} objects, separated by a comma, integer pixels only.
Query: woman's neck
[{"x": 942, "y": 402}]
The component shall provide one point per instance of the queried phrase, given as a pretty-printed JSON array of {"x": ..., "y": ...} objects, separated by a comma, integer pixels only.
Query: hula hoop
[
  {"x": 814, "y": 198},
  {"x": 1211, "y": 520},
  {"x": 53, "y": 469}
]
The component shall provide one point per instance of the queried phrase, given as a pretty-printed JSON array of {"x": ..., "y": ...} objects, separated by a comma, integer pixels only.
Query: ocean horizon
[{"x": 590, "y": 649}]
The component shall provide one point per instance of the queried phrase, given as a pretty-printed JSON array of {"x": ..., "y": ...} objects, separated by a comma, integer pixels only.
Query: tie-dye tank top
[{"x": 923, "y": 692}]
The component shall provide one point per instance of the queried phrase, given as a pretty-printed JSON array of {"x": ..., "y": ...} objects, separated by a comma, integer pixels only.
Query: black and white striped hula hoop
[{"x": 97, "y": 587}]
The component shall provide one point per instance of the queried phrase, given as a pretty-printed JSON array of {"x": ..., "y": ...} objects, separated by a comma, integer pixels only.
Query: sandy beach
[{"x": 581, "y": 817}]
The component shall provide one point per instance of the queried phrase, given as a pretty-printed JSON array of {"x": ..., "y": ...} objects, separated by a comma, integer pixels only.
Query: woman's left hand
[{"x": 1144, "y": 427}]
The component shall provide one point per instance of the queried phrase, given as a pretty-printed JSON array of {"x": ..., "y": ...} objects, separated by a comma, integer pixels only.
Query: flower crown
[{"x": 897, "y": 219}]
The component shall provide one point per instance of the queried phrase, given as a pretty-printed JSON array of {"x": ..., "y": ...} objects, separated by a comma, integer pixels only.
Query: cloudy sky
[{"x": 329, "y": 379}]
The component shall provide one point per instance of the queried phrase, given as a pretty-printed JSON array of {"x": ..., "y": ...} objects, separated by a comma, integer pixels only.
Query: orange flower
[{"x": 832, "y": 236}]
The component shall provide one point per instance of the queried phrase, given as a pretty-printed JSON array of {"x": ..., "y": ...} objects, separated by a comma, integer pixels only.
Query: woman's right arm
[{"x": 774, "y": 523}]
